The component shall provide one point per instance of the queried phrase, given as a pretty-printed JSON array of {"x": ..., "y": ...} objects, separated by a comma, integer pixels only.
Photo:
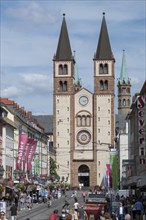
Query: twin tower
[{"x": 84, "y": 122}]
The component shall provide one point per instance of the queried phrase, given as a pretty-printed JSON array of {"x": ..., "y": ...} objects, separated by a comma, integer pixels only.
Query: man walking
[{"x": 13, "y": 211}]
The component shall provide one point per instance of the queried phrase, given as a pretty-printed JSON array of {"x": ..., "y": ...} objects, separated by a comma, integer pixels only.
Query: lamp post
[{"x": 1, "y": 176}]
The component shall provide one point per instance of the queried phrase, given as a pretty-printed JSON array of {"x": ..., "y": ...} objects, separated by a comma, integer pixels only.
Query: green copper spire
[
  {"x": 124, "y": 74},
  {"x": 77, "y": 80}
]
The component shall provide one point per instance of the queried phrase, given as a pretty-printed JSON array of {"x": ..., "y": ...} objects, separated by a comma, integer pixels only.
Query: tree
[{"x": 53, "y": 167}]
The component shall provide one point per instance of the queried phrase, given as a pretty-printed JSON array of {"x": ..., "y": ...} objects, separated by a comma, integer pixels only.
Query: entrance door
[{"x": 84, "y": 175}]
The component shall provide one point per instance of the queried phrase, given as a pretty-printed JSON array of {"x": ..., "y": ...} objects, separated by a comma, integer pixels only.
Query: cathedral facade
[{"x": 83, "y": 122}]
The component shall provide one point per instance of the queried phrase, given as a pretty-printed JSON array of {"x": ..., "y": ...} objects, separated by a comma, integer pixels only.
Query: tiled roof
[{"x": 46, "y": 121}]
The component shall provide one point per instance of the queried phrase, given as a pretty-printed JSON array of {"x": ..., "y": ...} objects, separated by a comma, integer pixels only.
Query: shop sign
[
  {"x": 83, "y": 174},
  {"x": 141, "y": 118},
  {"x": 141, "y": 103}
]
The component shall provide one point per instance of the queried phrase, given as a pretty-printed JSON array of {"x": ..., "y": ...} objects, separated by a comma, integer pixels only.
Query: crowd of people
[{"x": 129, "y": 208}]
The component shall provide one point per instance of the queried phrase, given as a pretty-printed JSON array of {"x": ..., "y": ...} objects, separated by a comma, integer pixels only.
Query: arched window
[
  {"x": 83, "y": 120},
  {"x": 65, "y": 70},
  {"x": 88, "y": 120},
  {"x": 128, "y": 102},
  {"x": 65, "y": 86},
  {"x": 60, "y": 69},
  {"x": 101, "y": 85},
  {"x": 106, "y": 85},
  {"x": 79, "y": 121},
  {"x": 101, "y": 68},
  {"x": 60, "y": 86},
  {"x": 124, "y": 102},
  {"x": 119, "y": 102},
  {"x": 106, "y": 68}
]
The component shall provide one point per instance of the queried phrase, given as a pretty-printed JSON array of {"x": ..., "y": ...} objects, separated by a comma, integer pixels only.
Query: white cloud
[
  {"x": 11, "y": 92},
  {"x": 37, "y": 82},
  {"x": 32, "y": 12}
]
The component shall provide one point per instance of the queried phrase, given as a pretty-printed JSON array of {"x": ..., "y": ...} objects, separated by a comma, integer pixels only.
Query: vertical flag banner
[
  {"x": 28, "y": 147},
  {"x": 21, "y": 148},
  {"x": 109, "y": 175},
  {"x": 31, "y": 154}
]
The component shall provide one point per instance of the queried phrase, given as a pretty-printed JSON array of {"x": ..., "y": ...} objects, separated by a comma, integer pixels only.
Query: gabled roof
[
  {"x": 64, "y": 49},
  {"x": 104, "y": 51},
  {"x": 46, "y": 121},
  {"x": 84, "y": 89}
]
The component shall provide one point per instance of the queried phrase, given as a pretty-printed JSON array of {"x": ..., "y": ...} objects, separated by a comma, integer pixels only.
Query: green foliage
[
  {"x": 114, "y": 168},
  {"x": 137, "y": 94},
  {"x": 21, "y": 186},
  {"x": 1, "y": 188},
  {"x": 53, "y": 167}
]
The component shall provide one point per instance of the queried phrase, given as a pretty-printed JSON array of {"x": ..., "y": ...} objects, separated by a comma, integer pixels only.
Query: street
[{"x": 42, "y": 212}]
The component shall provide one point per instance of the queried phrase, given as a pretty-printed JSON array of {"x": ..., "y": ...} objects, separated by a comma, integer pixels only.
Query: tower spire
[
  {"x": 64, "y": 49},
  {"x": 104, "y": 48},
  {"x": 124, "y": 74}
]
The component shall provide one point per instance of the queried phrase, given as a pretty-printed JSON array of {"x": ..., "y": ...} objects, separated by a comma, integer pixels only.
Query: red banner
[
  {"x": 21, "y": 148},
  {"x": 31, "y": 154}
]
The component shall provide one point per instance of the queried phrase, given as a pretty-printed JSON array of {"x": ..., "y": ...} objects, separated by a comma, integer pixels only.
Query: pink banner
[
  {"x": 28, "y": 147},
  {"x": 21, "y": 148},
  {"x": 31, "y": 154}
]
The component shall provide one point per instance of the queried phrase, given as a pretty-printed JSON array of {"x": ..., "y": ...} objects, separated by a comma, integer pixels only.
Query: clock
[
  {"x": 83, "y": 137},
  {"x": 83, "y": 100}
]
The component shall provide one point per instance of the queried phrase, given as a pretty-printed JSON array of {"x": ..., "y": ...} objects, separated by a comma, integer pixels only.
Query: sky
[{"x": 29, "y": 37}]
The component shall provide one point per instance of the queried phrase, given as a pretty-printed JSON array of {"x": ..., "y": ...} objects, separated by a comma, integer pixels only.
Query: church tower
[
  {"x": 83, "y": 122},
  {"x": 63, "y": 102},
  {"x": 104, "y": 126},
  {"x": 124, "y": 89}
]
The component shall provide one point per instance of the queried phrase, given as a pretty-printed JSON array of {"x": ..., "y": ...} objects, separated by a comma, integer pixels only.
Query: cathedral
[{"x": 83, "y": 122}]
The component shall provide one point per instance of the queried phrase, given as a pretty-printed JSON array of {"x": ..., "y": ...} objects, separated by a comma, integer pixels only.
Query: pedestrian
[
  {"x": 13, "y": 211},
  {"x": 22, "y": 200},
  {"x": 73, "y": 214},
  {"x": 65, "y": 203},
  {"x": 54, "y": 215},
  {"x": 127, "y": 217},
  {"x": 3, "y": 215},
  {"x": 84, "y": 196},
  {"x": 29, "y": 202},
  {"x": 138, "y": 208},
  {"x": 82, "y": 215},
  {"x": 107, "y": 216},
  {"x": 76, "y": 204},
  {"x": 121, "y": 212}
]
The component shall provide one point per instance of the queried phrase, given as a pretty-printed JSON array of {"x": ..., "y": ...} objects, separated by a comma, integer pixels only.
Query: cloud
[
  {"x": 11, "y": 92},
  {"x": 32, "y": 12},
  {"x": 37, "y": 83}
]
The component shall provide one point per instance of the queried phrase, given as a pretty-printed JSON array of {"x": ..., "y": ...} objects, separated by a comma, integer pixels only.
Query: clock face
[
  {"x": 83, "y": 100},
  {"x": 83, "y": 137}
]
